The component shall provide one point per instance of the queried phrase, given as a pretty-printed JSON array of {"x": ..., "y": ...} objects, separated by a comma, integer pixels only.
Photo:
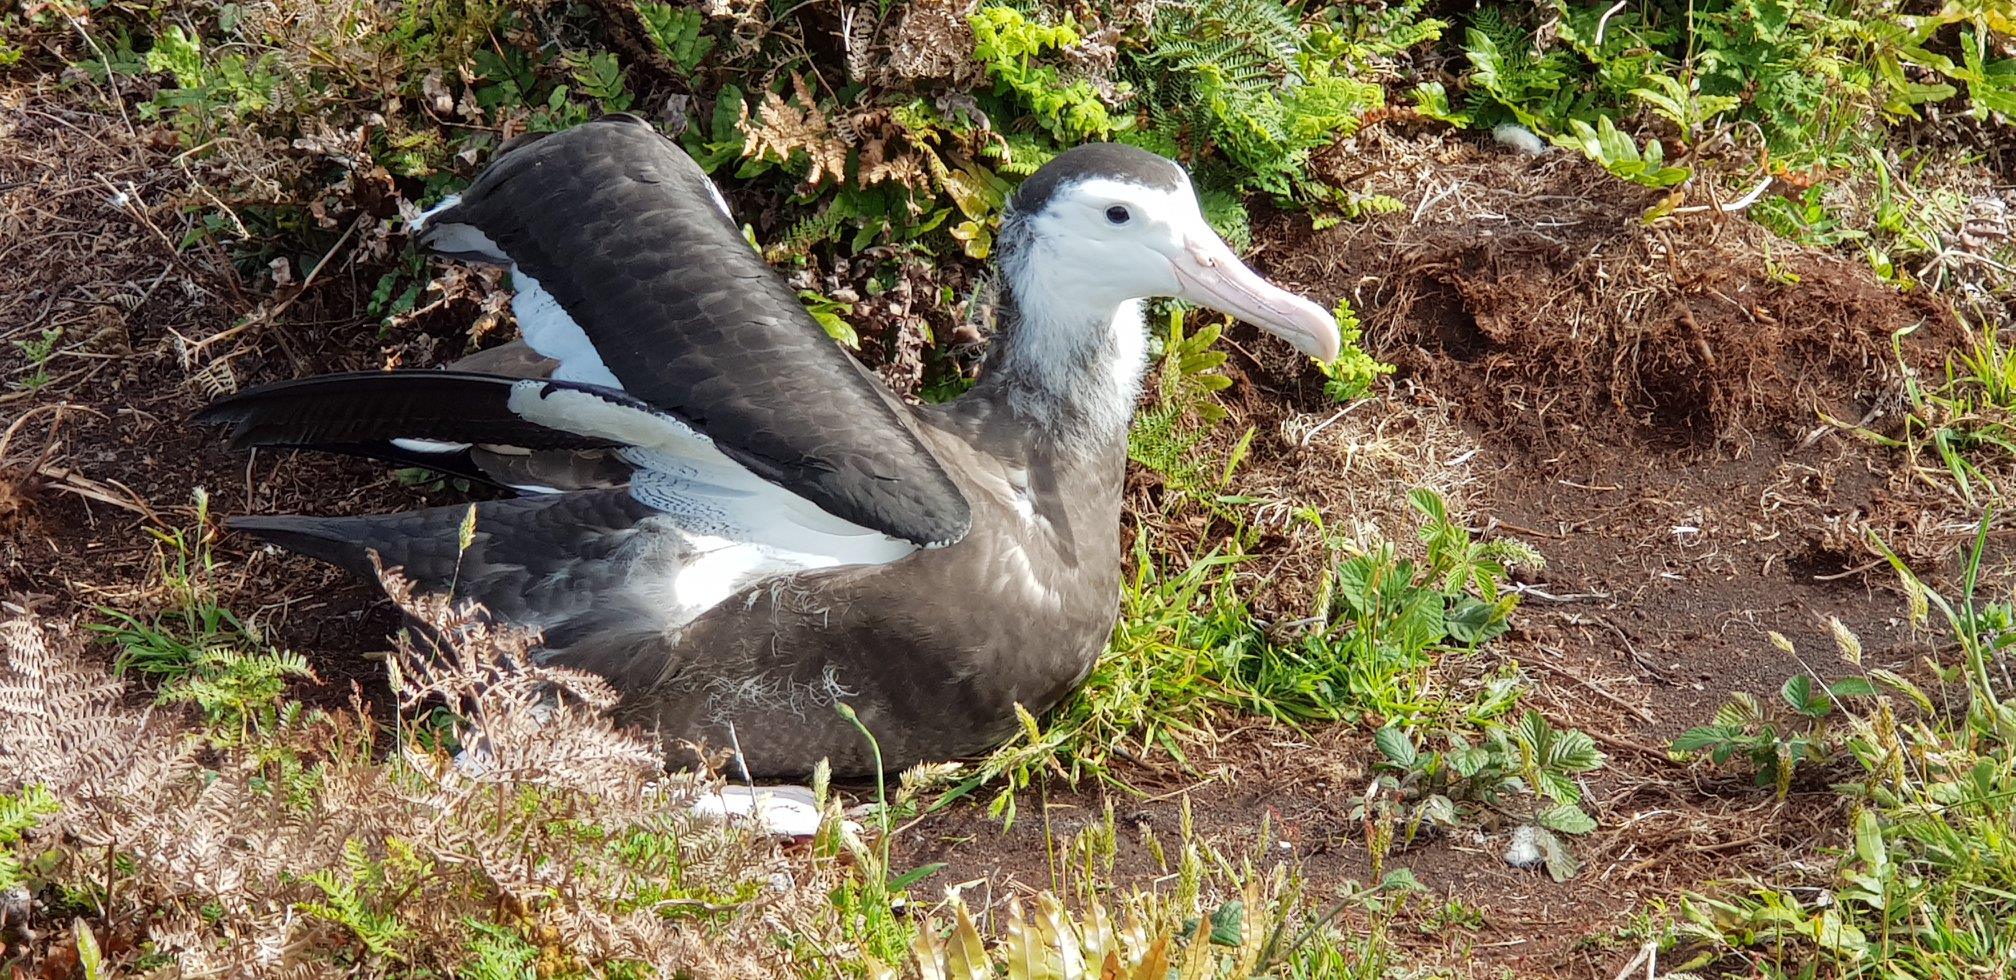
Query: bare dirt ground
[{"x": 1638, "y": 402}]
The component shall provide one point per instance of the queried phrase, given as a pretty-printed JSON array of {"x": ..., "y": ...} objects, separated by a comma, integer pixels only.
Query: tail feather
[
  {"x": 425, "y": 545},
  {"x": 457, "y": 423},
  {"x": 535, "y": 561}
]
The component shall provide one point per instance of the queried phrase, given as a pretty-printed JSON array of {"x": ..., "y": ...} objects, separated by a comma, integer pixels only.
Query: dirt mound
[{"x": 1531, "y": 291}]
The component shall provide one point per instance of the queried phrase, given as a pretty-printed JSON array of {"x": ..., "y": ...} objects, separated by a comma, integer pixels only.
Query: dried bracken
[
  {"x": 933, "y": 40},
  {"x": 566, "y": 834},
  {"x": 784, "y": 127}
]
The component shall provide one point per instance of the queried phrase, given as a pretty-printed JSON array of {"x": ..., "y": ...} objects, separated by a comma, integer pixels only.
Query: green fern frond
[
  {"x": 809, "y": 233},
  {"x": 19, "y": 814}
]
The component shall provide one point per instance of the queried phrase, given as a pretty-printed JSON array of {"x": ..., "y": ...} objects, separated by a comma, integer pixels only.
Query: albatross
[{"x": 722, "y": 512}]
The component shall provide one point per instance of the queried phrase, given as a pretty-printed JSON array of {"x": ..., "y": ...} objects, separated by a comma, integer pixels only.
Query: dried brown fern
[{"x": 277, "y": 856}]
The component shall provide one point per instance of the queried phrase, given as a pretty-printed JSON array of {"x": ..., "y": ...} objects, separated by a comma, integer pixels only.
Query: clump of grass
[
  {"x": 197, "y": 650},
  {"x": 1959, "y": 434},
  {"x": 1188, "y": 648},
  {"x": 1928, "y": 886}
]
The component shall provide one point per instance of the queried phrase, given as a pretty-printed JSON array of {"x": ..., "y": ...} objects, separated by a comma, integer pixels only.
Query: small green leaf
[
  {"x": 1567, "y": 818},
  {"x": 1396, "y": 746},
  {"x": 1228, "y": 924},
  {"x": 1797, "y": 692},
  {"x": 1401, "y": 880},
  {"x": 915, "y": 875},
  {"x": 1699, "y": 739},
  {"x": 1472, "y": 620}
]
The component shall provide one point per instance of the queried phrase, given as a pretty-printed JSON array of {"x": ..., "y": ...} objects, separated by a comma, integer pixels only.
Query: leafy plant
[
  {"x": 237, "y": 689},
  {"x": 209, "y": 88},
  {"x": 198, "y": 650},
  {"x": 1247, "y": 79},
  {"x": 830, "y": 314},
  {"x": 498, "y": 953},
  {"x": 1008, "y": 44},
  {"x": 38, "y": 353},
  {"x": 676, "y": 32},
  {"x": 1776, "y": 739},
  {"x": 1619, "y": 154},
  {"x": 20, "y": 812},
  {"x": 1168, "y": 436},
  {"x": 362, "y": 897},
  {"x": 166, "y": 644},
  {"x": 1524, "y": 770},
  {"x": 1923, "y": 891},
  {"x": 1352, "y": 373}
]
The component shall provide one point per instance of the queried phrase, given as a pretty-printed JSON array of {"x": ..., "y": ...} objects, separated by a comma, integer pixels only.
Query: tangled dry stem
[{"x": 162, "y": 827}]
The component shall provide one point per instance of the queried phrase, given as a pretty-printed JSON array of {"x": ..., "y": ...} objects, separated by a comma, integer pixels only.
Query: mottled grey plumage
[
  {"x": 933, "y": 651},
  {"x": 933, "y": 648}
]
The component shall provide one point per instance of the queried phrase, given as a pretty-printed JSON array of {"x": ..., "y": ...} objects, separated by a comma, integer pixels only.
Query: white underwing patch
[
  {"x": 429, "y": 446},
  {"x": 550, "y": 331}
]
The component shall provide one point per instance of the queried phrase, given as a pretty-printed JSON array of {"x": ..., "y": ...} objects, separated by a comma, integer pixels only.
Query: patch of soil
[
  {"x": 103, "y": 452},
  {"x": 1533, "y": 292}
]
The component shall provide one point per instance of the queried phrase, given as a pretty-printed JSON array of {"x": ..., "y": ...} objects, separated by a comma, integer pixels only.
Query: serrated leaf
[
  {"x": 1705, "y": 737},
  {"x": 1741, "y": 711},
  {"x": 1797, "y": 691},
  {"x": 1396, "y": 746},
  {"x": 1561, "y": 863},
  {"x": 1401, "y": 880},
  {"x": 1469, "y": 760},
  {"x": 1567, "y": 818},
  {"x": 1472, "y": 620},
  {"x": 89, "y": 957}
]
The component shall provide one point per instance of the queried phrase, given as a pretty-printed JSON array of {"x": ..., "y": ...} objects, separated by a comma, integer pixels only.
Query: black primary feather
[
  {"x": 364, "y": 407},
  {"x": 363, "y": 413}
]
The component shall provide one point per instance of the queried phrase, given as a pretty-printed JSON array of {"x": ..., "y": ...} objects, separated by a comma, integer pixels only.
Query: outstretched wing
[{"x": 631, "y": 274}]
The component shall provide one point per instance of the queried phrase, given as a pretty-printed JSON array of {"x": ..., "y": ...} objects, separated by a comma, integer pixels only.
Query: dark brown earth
[{"x": 1644, "y": 399}]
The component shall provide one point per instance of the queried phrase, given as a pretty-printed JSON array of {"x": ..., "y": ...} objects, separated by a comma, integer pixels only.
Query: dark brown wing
[{"x": 623, "y": 230}]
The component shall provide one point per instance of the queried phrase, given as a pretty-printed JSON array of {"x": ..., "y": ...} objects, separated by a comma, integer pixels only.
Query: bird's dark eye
[{"x": 1117, "y": 214}]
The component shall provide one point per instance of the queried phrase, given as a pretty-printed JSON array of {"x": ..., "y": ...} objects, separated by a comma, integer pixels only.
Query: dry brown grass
[{"x": 205, "y": 849}]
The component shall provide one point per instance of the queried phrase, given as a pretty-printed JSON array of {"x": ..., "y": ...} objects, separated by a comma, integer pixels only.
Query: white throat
[{"x": 1072, "y": 370}]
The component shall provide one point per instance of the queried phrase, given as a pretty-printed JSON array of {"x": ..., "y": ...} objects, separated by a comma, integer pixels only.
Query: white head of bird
[{"x": 1090, "y": 235}]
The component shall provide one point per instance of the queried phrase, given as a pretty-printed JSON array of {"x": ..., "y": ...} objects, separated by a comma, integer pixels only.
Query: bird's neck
[{"x": 1068, "y": 370}]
